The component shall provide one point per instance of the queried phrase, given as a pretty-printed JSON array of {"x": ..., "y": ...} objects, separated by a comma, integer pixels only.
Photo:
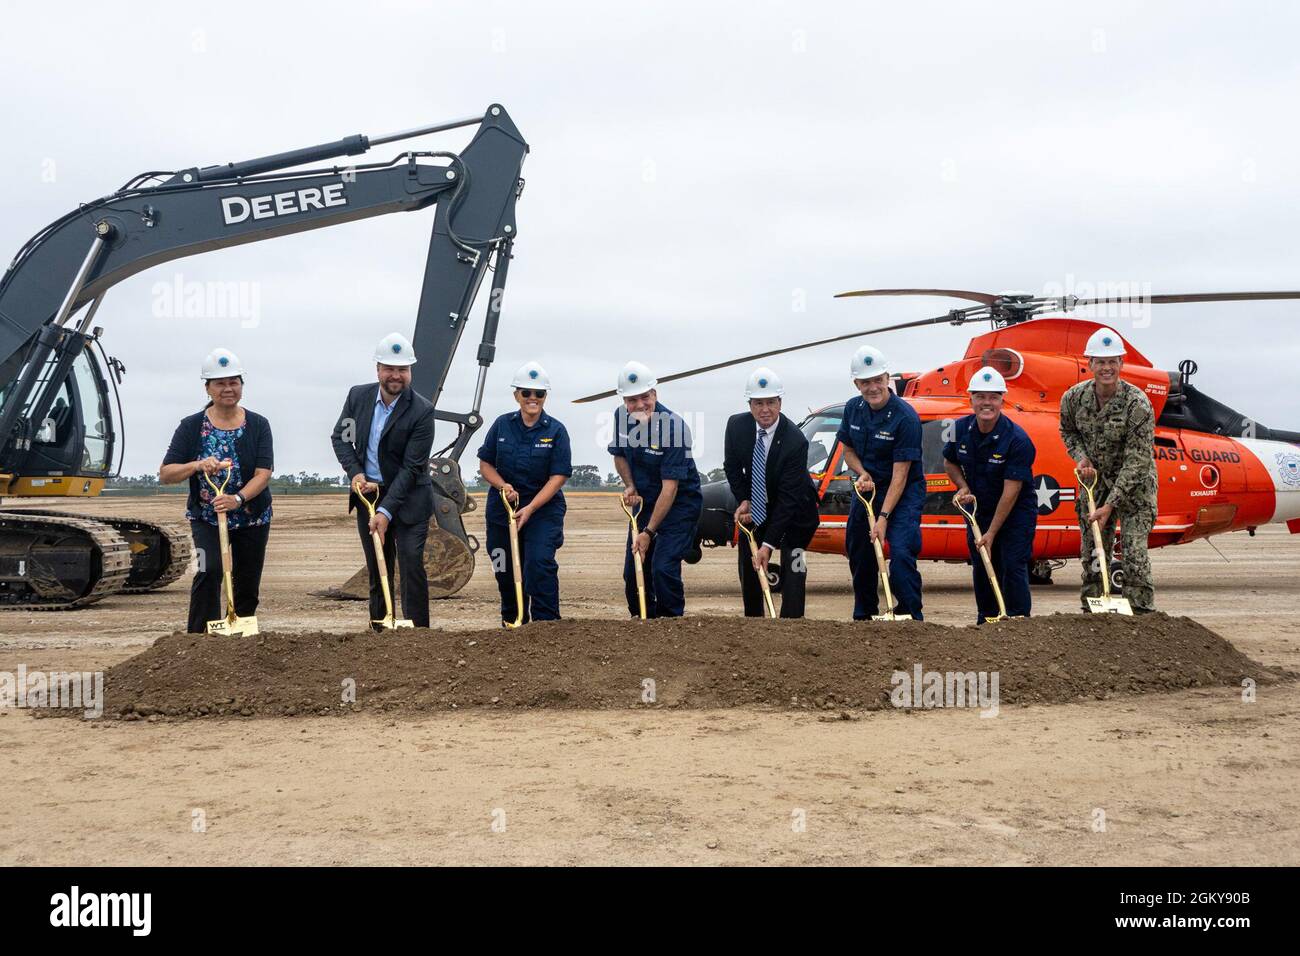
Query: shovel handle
[
  {"x": 1103, "y": 560},
  {"x": 768, "y": 606},
  {"x": 637, "y": 564},
  {"x": 378, "y": 545},
  {"x": 227, "y": 561},
  {"x": 983, "y": 551},
  {"x": 880, "y": 552},
  {"x": 515, "y": 572},
  {"x": 219, "y": 489}
]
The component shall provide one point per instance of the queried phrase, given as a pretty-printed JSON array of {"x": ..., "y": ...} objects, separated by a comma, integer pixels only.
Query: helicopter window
[
  {"x": 820, "y": 431},
  {"x": 94, "y": 456},
  {"x": 934, "y": 434}
]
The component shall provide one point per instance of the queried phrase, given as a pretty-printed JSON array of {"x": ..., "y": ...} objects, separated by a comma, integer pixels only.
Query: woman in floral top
[{"x": 224, "y": 436}]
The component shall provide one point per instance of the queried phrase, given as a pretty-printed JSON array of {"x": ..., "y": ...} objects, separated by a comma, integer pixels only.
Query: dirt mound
[{"x": 685, "y": 663}]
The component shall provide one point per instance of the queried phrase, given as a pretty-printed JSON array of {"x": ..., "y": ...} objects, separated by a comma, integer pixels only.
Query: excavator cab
[
  {"x": 51, "y": 558},
  {"x": 71, "y": 452}
]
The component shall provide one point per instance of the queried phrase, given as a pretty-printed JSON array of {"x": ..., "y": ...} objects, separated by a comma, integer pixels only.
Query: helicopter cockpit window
[
  {"x": 820, "y": 431},
  {"x": 934, "y": 434}
]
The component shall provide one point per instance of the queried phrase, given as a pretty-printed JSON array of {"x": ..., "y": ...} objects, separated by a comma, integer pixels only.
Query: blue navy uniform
[
  {"x": 527, "y": 458},
  {"x": 881, "y": 438},
  {"x": 1006, "y": 453},
  {"x": 655, "y": 450}
]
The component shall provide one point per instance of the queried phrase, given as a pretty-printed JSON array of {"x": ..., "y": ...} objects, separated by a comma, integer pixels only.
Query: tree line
[{"x": 585, "y": 478}]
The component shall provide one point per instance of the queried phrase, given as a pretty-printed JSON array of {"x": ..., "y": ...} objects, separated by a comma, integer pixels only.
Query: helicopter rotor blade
[
  {"x": 984, "y": 298},
  {"x": 1190, "y": 297},
  {"x": 1014, "y": 307},
  {"x": 956, "y": 317}
]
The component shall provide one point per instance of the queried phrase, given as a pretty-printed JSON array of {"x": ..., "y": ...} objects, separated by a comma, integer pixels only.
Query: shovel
[
  {"x": 984, "y": 554},
  {"x": 232, "y": 624},
  {"x": 1106, "y": 604},
  {"x": 389, "y": 623},
  {"x": 636, "y": 555},
  {"x": 762, "y": 575},
  {"x": 514, "y": 564},
  {"x": 889, "y": 614}
]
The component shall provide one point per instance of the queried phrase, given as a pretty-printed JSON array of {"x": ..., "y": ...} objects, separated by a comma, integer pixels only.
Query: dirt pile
[{"x": 685, "y": 663}]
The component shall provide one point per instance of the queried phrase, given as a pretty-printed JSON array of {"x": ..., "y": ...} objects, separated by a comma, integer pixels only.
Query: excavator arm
[
  {"x": 73, "y": 262},
  {"x": 56, "y": 282}
]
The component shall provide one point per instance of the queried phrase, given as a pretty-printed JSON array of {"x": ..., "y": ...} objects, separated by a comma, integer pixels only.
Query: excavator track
[
  {"x": 160, "y": 552},
  {"x": 49, "y": 562}
]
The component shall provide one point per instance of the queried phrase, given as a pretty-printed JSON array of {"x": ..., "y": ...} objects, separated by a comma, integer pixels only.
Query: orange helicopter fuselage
[{"x": 1208, "y": 483}]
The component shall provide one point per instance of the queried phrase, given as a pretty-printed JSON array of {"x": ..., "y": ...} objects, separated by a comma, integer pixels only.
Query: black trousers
[
  {"x": 247, "y": 553},
  {"x": 406, "y": 542},
  {"x": 794, "y": 573}
]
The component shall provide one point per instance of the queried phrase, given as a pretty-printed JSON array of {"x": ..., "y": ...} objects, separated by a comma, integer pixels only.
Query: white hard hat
[
  {"x": 531, "y": 375},
  {"x": 394, "y": 349},
  {"x": 764, "y": 383},
  {"x": 635, "y": 379},
  {"x": 1104, "y": 343},
  {"x": 868, "y": 363},
  {"x": 221, "y": 363},
  {"x": 987, "y": 379}
]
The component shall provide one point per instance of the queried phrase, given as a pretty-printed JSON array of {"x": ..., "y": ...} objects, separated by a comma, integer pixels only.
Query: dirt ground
[{"x": 1195, "y": 776}]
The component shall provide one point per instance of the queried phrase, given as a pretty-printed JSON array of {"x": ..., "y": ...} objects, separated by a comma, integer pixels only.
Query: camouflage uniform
[{"x": 1118, "y": 439}]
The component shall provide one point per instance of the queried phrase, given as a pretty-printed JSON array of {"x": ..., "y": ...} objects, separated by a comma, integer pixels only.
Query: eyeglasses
[{"x": 533, "y": 392}]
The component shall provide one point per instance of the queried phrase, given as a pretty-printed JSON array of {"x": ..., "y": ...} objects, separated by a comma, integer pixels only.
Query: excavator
[{"x": 60, "y": 409}]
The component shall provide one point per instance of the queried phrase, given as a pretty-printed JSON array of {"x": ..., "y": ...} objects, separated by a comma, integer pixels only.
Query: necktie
[{"x": 758, "y": 481}]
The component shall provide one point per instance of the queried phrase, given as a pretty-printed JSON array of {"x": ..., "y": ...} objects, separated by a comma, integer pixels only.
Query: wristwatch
[
  {"x": 883, "y": 514},
  {"x": 652, "y": 532},
  {"x": 241, "y": 499}
]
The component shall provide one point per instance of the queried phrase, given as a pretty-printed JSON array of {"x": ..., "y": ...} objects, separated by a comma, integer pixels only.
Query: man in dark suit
[
  {"x": 781, "y": 506},
  {"x": 383, "y": 439}
]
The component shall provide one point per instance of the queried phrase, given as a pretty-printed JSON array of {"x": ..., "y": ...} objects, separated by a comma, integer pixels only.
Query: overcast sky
[{"x": 703, "y": 178}]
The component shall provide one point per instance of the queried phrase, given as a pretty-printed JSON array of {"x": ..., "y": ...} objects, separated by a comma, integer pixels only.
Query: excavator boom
[{"x": 56, "y": 282}]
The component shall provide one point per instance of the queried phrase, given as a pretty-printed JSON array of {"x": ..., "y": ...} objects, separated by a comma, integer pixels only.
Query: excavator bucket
[{"x": 449, "y": 549}]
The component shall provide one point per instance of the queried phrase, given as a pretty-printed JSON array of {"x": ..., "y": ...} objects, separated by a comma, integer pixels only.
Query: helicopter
[{"x": 1218, "y": 470}]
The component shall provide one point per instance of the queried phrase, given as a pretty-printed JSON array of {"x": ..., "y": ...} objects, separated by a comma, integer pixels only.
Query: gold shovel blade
[
  {"x": 1111, "y": 605},
  {"x": 392, "y": 624},
  {"x": 234, "y": 626},
  {"x": 891, "y": 616}
]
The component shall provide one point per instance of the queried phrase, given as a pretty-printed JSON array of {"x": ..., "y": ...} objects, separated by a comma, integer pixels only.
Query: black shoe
[{"x": 1144, "y": 610}]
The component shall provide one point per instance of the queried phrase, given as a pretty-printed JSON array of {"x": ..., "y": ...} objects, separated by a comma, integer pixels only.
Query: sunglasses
[{"x": 533, "y": 392}]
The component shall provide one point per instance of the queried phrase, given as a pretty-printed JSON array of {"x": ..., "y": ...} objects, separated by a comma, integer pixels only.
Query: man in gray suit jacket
[{"x": 383, "y": 439}]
